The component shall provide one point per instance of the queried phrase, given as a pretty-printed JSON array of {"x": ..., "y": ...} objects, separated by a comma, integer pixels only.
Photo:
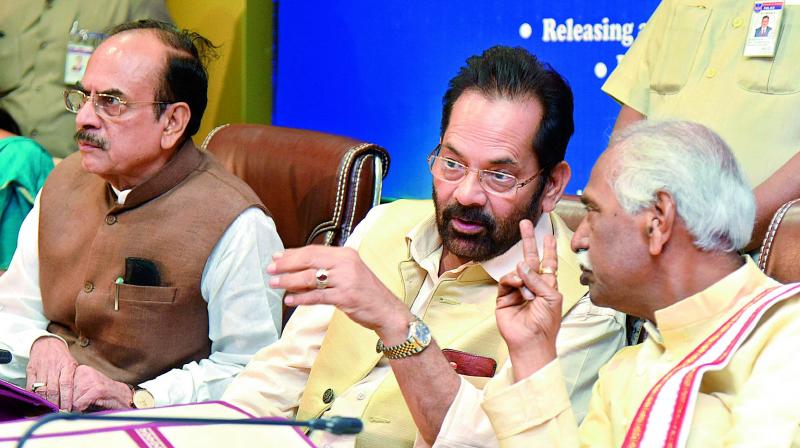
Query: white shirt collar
[{"x": 121, "y": 194}]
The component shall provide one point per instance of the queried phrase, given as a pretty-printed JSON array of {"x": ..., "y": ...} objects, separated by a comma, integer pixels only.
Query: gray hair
[{"x": 694, "y": 165}]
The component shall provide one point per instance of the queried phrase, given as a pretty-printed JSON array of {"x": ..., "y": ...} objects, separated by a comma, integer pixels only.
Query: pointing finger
[{"x": 528, "y": 236}]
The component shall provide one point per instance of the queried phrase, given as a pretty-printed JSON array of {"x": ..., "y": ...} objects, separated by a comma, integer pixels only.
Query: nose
[
  {"x": 580, "y": 239},
  {"x": 87, "y": 116},
  {"x": 470, "y": 192}
]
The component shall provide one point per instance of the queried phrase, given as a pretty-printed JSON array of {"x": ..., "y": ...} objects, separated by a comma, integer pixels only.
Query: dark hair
[
  {"x": 8, "y": 123},
  {"x": 514, "y": 73},
  {"x": 185, "y": 76}
]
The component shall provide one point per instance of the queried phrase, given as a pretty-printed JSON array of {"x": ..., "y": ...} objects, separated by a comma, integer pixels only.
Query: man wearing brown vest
[
  {"x": 155, "y": 294},
  {"x": 413, "y": 304}
]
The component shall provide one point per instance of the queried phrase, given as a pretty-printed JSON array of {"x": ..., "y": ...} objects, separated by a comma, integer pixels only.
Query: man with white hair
[{"x": 668, "y": 208}]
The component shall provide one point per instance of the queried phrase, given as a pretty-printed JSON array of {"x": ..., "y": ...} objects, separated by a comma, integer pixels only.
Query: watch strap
[
  {"x": 408, "y": 348},
  {"x": 404, "y": 350},
  {"x": 133, "y": 394}
]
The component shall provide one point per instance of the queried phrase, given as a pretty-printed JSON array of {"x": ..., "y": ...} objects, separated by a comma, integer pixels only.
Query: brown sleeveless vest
[{"x": 134, "y": 333}]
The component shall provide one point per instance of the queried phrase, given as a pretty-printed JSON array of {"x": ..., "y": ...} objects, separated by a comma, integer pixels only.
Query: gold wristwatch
[
  {"x": 142, "y": 398},
  {"x": 419, "y": 337}
]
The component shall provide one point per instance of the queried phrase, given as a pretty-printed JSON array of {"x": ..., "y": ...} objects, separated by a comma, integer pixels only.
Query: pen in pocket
[{"x": 116, "y": 293}]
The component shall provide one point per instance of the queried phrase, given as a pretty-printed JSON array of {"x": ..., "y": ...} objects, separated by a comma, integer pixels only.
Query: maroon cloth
[{"x": 470, "y": 364}]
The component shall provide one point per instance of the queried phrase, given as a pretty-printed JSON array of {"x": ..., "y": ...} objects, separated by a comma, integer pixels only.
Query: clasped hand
[{"x": 70, "y": 386}]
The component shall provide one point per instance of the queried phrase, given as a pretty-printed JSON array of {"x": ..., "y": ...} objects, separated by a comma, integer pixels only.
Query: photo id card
[
  {"x": 764, "y": 30},
  {"x": 80, "y": 46},
  {"x": 75, "y": 66}
]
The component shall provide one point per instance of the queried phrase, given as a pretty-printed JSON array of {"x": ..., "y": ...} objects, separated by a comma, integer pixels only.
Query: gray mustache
[{"x": 84, "y": 136}]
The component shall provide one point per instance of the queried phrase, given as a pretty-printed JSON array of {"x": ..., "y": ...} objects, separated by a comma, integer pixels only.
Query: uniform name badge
[
  {"x": 75, "y": 66},
  {"x": 80, "y": 46},
  {"x": 764, "y": 29}
]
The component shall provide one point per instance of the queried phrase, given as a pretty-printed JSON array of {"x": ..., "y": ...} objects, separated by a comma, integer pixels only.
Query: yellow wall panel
[{"x": 240, "y": 81}]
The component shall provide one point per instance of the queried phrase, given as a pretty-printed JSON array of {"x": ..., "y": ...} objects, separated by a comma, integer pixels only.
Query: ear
[
  {"x": 175, "y": 120},
  {"x": 662, "y": 222},
  {"x": 555, "y": 186}
]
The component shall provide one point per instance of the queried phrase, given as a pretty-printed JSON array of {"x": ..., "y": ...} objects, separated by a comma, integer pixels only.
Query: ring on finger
[
  {"x": 36, "y": 386},
  {"x": 546, "y": 270},
  {"x": 321, "y": 276}
]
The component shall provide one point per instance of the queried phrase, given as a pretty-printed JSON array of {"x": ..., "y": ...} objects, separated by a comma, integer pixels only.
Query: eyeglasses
[
  {"x": 104, "y": 103},
  {"x": 496, "y": 182}
]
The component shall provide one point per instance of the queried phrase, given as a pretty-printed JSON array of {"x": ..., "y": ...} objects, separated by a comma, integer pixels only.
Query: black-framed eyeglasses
[
  {"x": 497, "y": 182},
  {"x": 104, "y": 103}
]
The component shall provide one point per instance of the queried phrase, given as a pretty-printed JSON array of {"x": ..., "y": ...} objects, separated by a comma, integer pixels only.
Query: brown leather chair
[
  {"x": 571, "y": 210},
  {"x": 317, "y": 186},
  {"x": 780, "y": 251}
]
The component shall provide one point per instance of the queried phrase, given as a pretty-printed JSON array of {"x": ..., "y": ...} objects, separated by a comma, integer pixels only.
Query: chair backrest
[
  {"x": 571, "y": 210},
  {"x": 780, "y": 251},
  {"x": 317, "y": 186}
]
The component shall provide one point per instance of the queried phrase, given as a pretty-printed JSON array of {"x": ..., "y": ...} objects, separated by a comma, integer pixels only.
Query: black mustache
[
  {"x": 471, "y": 214},
  {"x": 84, "y": 136}
]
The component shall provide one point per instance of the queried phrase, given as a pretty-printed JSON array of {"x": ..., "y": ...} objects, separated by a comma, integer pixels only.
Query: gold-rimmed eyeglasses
[
  {"x": 497, "y": 182},
  {"x": 109, "y": 105}
]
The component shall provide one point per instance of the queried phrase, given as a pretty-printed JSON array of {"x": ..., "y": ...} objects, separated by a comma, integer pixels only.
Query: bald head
[
  {"x": 184, "y": 77},
  {"x": 136, "y": 56}
]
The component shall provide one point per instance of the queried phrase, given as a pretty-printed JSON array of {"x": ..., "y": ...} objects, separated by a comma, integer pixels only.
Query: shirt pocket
[
  {"x": 778, "y": 75},
  {"x": 675, "y": 53},
  {"x": 11, "y": 70},
  {"x": 147, "y": 294}
]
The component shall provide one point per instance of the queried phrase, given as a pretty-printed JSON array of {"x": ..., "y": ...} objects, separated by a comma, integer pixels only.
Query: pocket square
[{"x": 470, "y": 364}]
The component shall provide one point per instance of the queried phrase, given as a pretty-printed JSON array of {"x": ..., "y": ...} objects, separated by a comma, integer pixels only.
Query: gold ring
[
  {"x": 546, "y": 270},
  {"x": 38, "y": 386},
  {"x": 321, "y": 276}
]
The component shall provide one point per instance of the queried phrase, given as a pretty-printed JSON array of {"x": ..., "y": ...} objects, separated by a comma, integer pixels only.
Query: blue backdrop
[{"x": 377, "y": 70}]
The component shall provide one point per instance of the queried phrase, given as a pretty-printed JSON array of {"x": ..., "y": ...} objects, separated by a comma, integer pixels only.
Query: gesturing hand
[
  {"x": 529, "y": 306},
  {"x": 350, "y": 286},
  {"x": 52, "y": 364}
]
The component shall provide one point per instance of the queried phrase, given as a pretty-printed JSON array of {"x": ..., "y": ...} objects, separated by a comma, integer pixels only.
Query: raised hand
[
  {"x": 348, "y": 285},
  {"x": 529, "y": 305}
]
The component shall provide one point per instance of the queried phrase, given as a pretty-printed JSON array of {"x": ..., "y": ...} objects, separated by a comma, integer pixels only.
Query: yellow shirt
[
  {"x": 687, "y": 64},
  {"x": 277, "y": 377},
  {"x": 33, "y": 51},
  {"x": 751, "y": 402}
]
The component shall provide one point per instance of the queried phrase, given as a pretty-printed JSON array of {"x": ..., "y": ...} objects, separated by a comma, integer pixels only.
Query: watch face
[
  {"x": 143, "y": 399},
  {"x": 421, "y": 333}
]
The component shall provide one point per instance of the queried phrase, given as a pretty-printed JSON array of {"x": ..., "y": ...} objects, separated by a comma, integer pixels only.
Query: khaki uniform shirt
[
  {"x": 687, "y": 64},
  {"x": 33, "y": 48}
]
